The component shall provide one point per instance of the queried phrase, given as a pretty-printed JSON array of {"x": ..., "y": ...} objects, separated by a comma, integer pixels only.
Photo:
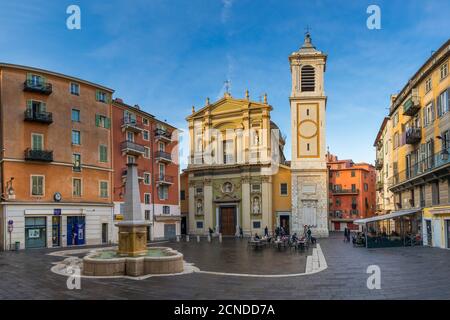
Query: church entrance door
[{"x": 228, "y": 221}]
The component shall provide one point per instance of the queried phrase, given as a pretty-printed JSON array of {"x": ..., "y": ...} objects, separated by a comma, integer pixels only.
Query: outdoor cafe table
[{"x": 280, "y": 243}]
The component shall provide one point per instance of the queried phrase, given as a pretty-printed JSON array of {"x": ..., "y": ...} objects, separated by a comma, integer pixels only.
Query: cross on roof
[
  {"x": 227, "y": 86},
  {"x": 308, "y": 29}
]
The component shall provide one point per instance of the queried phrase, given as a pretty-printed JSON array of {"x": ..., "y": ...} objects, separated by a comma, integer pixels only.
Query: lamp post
[{"x": 444, "y": 152}]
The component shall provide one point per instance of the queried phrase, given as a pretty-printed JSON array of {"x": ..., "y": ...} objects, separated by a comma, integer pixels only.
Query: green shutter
[
  {"x": 97, "y": 120},
  {"x": 97, "y": 95},
  {"x": 43, "y": 107},
  {"x": 29, "y": 76},
  {"x": 107, "y": 123},
  {"x": 29, "y": 105},
  {"x": 43, "y": 80}
]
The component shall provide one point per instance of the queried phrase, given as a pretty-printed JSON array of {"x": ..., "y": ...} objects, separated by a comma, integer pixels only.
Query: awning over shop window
[{"x": 387, "y": 216}]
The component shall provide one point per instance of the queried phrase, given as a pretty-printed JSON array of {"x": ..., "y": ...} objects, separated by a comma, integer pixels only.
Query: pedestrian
[
  {"x": 308, "y": 232},
  {"x": 345, "y": 234},
  {"x": 348, "y": 235},
  {"x": 211, "y": 231},
  {"x": 241, "y": 233},
  {"x": 266, "y": 232}
]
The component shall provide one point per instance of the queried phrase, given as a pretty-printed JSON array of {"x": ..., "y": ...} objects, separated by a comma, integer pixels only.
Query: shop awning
[{"x": 387, "y": 216}]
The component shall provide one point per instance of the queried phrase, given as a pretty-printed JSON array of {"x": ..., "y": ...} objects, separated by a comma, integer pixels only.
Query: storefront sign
[
  {"x": 118, "y": 217},
  {"x": 10, "y": 222},
  {"x": 57, "y": 212}
]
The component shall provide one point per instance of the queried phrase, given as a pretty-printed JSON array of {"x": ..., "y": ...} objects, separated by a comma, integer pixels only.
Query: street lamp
[{"x": 444, "y": 152}]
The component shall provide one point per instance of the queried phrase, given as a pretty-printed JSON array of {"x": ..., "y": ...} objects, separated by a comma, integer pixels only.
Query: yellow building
[{"x": 420, "y": 135}]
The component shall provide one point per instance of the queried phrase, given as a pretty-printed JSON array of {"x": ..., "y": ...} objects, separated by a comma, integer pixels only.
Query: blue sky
[{"x": 167, "y": 55}]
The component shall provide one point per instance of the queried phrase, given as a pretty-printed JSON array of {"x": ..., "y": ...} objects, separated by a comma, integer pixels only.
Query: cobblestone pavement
[{"x": 406, "y": 273}]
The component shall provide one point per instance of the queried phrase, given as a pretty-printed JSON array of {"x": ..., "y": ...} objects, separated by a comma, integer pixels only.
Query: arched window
[{"x": 308, "y": 78}]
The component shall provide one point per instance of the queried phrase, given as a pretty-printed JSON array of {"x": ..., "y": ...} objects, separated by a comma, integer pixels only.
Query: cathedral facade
[{"x": 238, "y": 179}]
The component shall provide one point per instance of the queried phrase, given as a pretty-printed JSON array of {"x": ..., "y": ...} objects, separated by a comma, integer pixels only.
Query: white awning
[{"x": 387, "y": 216}]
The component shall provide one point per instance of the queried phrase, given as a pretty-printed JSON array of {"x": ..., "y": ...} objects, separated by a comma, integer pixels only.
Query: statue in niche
[
  {"x": 256, "y": 138},
  {"x": 227, "y": 187},
  {"x": 199, "y": 207},
  {"x": 256, "y": 206}
]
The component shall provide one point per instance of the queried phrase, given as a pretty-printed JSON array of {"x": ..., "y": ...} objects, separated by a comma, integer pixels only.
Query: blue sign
[
  {"x": 10, "y": 222},
  {"x": 57, "y": 212}
]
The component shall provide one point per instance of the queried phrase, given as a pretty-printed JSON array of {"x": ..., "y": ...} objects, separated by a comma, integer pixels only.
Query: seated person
[
  {"x": 256, "y": 237},
  {"x": 294, "y": 237}
]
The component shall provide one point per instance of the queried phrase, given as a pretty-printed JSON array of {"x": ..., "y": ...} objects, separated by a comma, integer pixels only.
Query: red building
[
  {"x": 352, "y": 192},
  {"x": 141, "y": 138}
]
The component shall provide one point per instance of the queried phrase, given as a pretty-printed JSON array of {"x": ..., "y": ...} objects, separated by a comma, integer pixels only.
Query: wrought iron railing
[
  {"x": 38, "y": 86},
  {"x": 38, "y": 116},
  {"x": 38, "y": 155}
]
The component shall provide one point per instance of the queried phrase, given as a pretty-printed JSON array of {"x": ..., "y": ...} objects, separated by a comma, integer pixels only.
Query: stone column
[
  {"x": 246, "y": 205},
  {"x": 266, "y": 203},
  {"x": 217, "y": 220},
  {"x": 192, "y": 208},
  {"x": 238, "y": 219},
  {"x": 208, "y": 204}
]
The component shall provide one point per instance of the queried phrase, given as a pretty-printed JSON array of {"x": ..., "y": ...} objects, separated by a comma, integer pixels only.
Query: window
[
  {"x": 283, "y": 189},
  {"x": 101, "y": 96},
  {"x": 37, "y": 141},
  {"x": 396, "y": 119},
  {"x": 443, "y": 103},
  {"x": 396, "y": 140},
  {"x": 353, "y": 187},
  {"x": 256, "y": 224},
  {"x": 435, "y": 193},
  {"x": 76, "y": 187},
  {"x": 147, "y": 152},
  {"x": 163, "y": 192},
  {"x": 228, "y": 151},
  {"x": 366, "y": 187},
  {"x": 76, "y": 137},
  {"x": 75, "y": 115},
  {"x": 75, "y": 88},
  {"x": 147, "y": 180},
  {"x": 166, "y": 210},
  {"x": 104, "y": 189},
  {"x": 308, "y": 80},
  {"x": 428, "y": 114},
  {"x": 353, "y": 173},
  {"x": 145, "y": 121},
  {"x": 130, "y": 136},
  {"x": 147, "y": 199},
  {"x": 199, "y": 190},
  {"x": 147, "y": 214},
  {"x": 103, "y": 152},
  {"x": 199, "y": 224},
  {"x": 131, "y": 159},
  {"x": 37, "y": 185},
  {"x": 445, "y": 140},
  {"x": 102, "y": 121},
  {"x": 145, "y": 135},
  {"x": 422, "y": 195},
  {"x": 444, "y": 70},
  {"x": 35, "y": 80},
  {"x": 428, "y": 85},
  {"x": 338, "y": 174},
  {"x": 76, "y": 162},
  {"x": 338, "y": 202},
  {"x": 182, "y": 195}
]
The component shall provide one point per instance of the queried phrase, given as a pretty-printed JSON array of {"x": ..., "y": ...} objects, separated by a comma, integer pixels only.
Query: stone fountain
[{"x": 133, "y": 257}]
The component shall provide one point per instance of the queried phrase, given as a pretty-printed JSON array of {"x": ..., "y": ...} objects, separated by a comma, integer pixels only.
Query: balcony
[
  {"x": 164, "y": 179},
  {"x": 140, "y": 173},
  {"x": 131, "y": 125},
  {"x": 379, "y": 164},
  {"x": 380, "y": 185},
  {"x": 345, "y": 191},
  {"x": 413, "y": 135},
  {"x": 411, "y": 106},
  {"x": 131, "y": 148},
  {"x": 38, "y": 155},
  {"x": 37, "y": 87},
  {"x": 163, "y": 135},
  {"x": 163, "y": 156},
  {"x": 428, "y": 169},
  {"x": 38, "y": 116}
]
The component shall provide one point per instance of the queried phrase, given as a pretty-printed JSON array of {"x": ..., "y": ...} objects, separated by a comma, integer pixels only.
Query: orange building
[
  {"x": 56, "y": 168},
  {"x": 141, "y": 138},
  {"x": 352, "y": 192}
]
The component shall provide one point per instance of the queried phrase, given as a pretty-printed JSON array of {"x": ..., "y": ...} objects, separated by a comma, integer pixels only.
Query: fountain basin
[{"x": 156, "y": 260}]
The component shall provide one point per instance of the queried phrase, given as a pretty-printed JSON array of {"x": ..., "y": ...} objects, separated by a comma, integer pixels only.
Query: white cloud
[{"x": 226, "y": 10}]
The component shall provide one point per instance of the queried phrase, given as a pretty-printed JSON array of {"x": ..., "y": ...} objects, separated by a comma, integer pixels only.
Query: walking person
[
  {"x": 241, "y": 233},
  {"x": 348, "y": 235},
  {"x": 345, "y": 234},
  {"x": 266, "y": 232}
]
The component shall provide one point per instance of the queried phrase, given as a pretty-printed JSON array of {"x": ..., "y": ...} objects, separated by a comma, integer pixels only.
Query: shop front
[
  {"x": 437, "y": 221},
  {"x": 35, "y": 232},
  {"x": 76, "y": 230}
]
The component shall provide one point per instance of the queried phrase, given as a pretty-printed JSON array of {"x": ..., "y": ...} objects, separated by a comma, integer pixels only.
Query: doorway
[
  {"x": 337, "y": 226},
  {"x": 75, "y": 231},
  {"x": 228, "y": 221},
  {"x": 56, "y": 231},
  {"x": 35, "y": 232},
  {"x": 448, "y": 233},
  {"x": 170, "y": 231},
  {"x": 284, "y": 223},
  {"x": 183, "y": 225},
  {"x": 429, "y": 233},
  {"x": 104, "y": 233}
]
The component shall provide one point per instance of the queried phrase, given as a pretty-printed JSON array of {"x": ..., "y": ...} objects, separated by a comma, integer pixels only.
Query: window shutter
[
  {"x": 107, "y": 123},
  {"x": 433, "y": 111},
  {"x": 438, "y": 104},
  {"x": 97, "y": 95},
  {"x": 43, "y": 80},
  {"x": 29, "y": 76},
  {"x": 43, "y": 107},
  {"x": 29, "y": 105},
  {"x": 448, "y": 99},
  {"x": 97, "y": 120},
  {"x": 424, "y": 111}
]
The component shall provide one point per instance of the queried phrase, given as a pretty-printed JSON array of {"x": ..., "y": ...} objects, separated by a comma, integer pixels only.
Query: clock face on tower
[{"x": 308, "y": 131}]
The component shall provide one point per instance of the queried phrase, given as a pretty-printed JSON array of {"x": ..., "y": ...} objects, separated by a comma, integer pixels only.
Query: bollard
[
  {"x": 178, "y": 238},
  {"x": 220, "y": 237},
  {"x": 187, "y": 238},
  {"x": 198, "y": 238},
  {"x": 209, "y": 238}
]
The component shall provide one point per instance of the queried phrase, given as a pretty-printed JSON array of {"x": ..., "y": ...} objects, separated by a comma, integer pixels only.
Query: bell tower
[{"x": 308, "y": 165}]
